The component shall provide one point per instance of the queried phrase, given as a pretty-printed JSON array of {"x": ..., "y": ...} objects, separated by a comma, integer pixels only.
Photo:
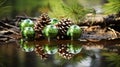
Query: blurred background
[{"x": 54, "y": 8}]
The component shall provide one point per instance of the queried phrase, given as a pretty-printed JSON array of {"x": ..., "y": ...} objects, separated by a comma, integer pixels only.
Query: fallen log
[
  {"x": 101, "y": 21},
  {"x": 96, "y": 33}
]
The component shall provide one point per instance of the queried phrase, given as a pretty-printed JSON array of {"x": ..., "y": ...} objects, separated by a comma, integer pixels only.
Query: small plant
[{"x": 112, "y": 7}]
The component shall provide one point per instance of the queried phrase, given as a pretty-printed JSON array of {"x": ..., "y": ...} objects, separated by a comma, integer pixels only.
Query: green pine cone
[
  {"x": 74, "y": 31},
  {"x": 28, "y": 33},
  {"x": 50, "y": 31},
  {"x": 54, "y": 21},
  {"x": 26, "y": 23}
]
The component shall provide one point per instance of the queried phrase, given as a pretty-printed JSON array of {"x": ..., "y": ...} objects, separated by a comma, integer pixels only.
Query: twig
[
  {"x": 5, "y": 36},
  {"x": 8, "y": 31},
  {"x": 8, "y": 25}
]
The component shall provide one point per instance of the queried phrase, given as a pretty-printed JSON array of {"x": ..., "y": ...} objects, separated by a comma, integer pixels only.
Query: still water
[{"x": 61, "y": 53}]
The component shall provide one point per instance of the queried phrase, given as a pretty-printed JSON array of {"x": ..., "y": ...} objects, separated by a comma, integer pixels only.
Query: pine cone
[
  {"x": 41, "y": 22},
  {"x": 63, "y": 26},
  {"x": 40, "y": 51},
  {"x": 64, "y": 53}
]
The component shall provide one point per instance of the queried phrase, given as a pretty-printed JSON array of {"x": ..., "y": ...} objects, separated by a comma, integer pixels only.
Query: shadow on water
[{"x": 62, "y": 53}]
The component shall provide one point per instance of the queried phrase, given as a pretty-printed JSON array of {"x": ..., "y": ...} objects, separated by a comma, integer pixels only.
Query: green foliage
[
  {"x": 113, "y": 6},
  {"x": 23, "y": 7},
  {"x": 5, "y": 10},
  {"x": 113, "y": 58},
  {"x": 56, "y": 9},
  {"x": 29, "y": 7},
  {"x": 73, "y": 10}
]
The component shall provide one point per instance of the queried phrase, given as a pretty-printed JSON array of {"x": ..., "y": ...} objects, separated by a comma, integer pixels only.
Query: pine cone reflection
[
  {"x": 40, "y": 51},
  {"x": 64, "y": 53}
]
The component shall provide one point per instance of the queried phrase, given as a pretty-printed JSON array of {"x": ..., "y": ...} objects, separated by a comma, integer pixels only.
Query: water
[{"x": 62, "y": 53}]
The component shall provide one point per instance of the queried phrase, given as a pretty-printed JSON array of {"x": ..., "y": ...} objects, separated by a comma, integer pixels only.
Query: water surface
[{"x": 57, "y": 53}]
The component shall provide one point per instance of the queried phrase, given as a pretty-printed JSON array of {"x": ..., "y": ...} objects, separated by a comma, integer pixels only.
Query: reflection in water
[
  {"x": 59, "y": 54},
  {"x": 41, "y": 52},
  {"x": 50, "y": 49},
  {"x": 67, "y": 51},
  {"x": 74, "y": 49},
  {"x": 27, "y": 46}
]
